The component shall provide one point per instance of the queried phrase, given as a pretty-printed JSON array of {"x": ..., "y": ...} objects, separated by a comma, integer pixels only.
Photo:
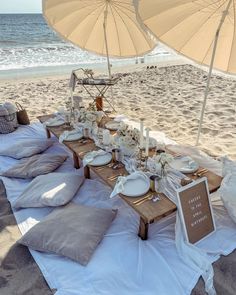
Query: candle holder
[
  {"x": 142, "y": 159},
  {"x": 145, "y": 161},
  {"x": 141, "y": 132}
]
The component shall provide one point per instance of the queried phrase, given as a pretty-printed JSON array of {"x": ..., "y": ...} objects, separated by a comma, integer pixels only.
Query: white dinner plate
[
  {"x": 184, "y": 164},
  {"x": 74, "y": 137},
  {"x": 136, "y": 187},
  {"x": 101, "y": 160},
  {"x": 112, "y": 125},
  {"x": 57, "y": 123}
]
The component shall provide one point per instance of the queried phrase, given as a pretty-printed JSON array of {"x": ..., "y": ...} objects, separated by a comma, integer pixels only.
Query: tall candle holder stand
[{"x": 142, "y": 159}]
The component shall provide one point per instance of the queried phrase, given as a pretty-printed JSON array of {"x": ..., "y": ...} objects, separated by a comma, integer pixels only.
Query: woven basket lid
[
  {"x": 3, "y": 111},
  {"x": 10, "y": 108}
]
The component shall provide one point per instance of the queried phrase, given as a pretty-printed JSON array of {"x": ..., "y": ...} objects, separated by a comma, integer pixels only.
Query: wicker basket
[
  {"x": 22, "y": 116},
  {"x": 11, "y": 108},
  {"x": 8, "y": 122}
]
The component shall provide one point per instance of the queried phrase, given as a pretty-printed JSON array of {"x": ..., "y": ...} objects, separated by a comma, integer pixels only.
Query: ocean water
[{"x": 28, "y": 44}]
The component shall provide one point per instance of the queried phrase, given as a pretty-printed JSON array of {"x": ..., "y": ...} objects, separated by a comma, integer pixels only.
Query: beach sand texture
[{"x": 168, "y": 97}]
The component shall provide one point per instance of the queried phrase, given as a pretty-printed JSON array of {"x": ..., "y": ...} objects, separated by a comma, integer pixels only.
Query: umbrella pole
[
  {"x": 224, "y": 14},
  {"x": 107, "y": 52},
  {"x": 106, "y": 45}
]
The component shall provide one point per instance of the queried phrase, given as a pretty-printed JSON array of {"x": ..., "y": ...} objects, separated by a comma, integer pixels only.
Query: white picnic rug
[{"x": 123, "y": 263}]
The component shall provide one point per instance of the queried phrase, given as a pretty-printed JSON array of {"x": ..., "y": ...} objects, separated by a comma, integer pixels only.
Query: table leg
[
  {"x": 48, "y": 133},
  {"x": 76, "y": 161},
  {"x": 86, "y": 172},
  {"x": 143, "y": 229}
]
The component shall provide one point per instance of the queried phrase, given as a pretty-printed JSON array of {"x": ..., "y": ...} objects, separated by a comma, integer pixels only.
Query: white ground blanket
[{"x": 123, "y": 263}]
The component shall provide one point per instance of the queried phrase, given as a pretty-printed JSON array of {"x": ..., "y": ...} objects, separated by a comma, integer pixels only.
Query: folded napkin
[
  {"x": 92, "y": 155},
  {"x": 66, "y": 134},
  {"x": 130, "y": 164},
  {"x": 52, "y": 121},
  {"x": 119, "y": 187}
]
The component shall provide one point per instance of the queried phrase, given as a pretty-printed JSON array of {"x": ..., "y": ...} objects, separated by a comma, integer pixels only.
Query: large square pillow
[
  {"x": 26, "y": 148},
  {"x": 228, "y": 187},
  {"x": 35, "y": 165},
  {"x": 73, "y": 231},
  {"x": 53, "y": 189}
]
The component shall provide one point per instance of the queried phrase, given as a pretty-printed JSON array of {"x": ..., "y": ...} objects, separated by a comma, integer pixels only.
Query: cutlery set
[
  {"x": 151, "y": 196},
  {"x": 114, "y": 166},
  {"x": 200, "y": 172},
  {"x": 114, "y": 177},
  {"x": 105, "y": 166}
]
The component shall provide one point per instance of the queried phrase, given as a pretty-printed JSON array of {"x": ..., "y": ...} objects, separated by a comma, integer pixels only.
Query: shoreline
[
  {"x": 168, "y": 95},
  {"x": 99, "y": 68}
]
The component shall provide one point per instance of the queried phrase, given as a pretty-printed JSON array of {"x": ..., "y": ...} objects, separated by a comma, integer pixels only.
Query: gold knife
[
  {"x": 199, "y": 171},
  {"x": 144, "y": 198},
  {"x": 202, "y": 172},
  {"x": 114, "y": 177}
]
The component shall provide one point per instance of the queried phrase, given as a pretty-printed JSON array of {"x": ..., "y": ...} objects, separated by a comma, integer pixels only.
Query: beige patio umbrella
[
  {"x": 104, "y": 27},
  {"x": 202, "y": 30}
]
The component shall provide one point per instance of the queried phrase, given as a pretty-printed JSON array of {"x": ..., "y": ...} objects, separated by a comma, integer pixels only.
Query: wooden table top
[{"x": 148, "y": 210}]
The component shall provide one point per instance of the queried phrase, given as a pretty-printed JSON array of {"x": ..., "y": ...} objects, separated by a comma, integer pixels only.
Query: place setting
[{"x": 97, "y": 158}]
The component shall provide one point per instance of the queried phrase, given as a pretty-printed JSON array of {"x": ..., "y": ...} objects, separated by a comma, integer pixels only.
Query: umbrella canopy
[
  {"x": 83, "y": 23},
  {"x": 202, "y": 30},
  {"x": 189, "y": 27}
]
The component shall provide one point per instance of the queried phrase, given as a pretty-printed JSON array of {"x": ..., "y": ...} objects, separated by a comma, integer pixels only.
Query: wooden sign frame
[{"x": 196, "y": 210}]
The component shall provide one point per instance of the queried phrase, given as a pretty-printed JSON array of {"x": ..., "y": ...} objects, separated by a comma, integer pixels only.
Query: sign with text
[{"x": 195, "y": 209}]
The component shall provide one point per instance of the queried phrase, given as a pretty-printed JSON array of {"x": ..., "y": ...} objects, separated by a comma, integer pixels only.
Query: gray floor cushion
[
  {"x": 73, "y": 231},
  {"x": 35, "y": 165}
]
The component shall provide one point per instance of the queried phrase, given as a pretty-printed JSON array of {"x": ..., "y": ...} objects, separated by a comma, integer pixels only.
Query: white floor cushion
[
  {"x": 228, "y": 187},
  {"x": 26, "y": 148},
  {"x": 53, "y": 189}
]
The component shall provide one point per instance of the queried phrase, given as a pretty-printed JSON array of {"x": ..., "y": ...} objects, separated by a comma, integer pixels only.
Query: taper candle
[
  {"x": 141, "y": 132},
  {"x": 147, "y": 142}
]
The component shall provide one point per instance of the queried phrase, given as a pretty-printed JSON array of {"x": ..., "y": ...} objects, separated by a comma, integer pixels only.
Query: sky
[{"x": 20, "y": 6}]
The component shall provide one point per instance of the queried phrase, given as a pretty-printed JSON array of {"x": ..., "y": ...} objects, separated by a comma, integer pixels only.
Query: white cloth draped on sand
[
  {"x": 195, "y": 257},
  {"x": 119, "y": 187},
  {"x": 148, "y": 267}
]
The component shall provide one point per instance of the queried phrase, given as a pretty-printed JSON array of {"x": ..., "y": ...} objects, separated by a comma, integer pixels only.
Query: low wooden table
[{"x": 148, "y": 211}]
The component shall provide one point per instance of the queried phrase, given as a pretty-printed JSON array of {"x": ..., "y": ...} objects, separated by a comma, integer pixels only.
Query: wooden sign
[{"x": 196, "y": 211}]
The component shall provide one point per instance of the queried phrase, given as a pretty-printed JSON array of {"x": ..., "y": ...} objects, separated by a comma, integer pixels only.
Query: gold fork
[
  {"x": 86, "y": 152},
  {"x": 103, "y": 167},
  {"x": 114, "y": 177},
  {"x": 150, "y": 195},
  {"x": 202, "y": 170}
]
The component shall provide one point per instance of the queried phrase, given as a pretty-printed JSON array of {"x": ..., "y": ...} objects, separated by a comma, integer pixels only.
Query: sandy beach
[{"x": 169, "y": 97}]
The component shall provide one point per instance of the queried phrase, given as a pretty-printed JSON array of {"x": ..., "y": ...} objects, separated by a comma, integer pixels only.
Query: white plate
[
  {"x": 136, "y": 187},
  {"x": 101, "y": 160},
  {"x": 57, "y": 123},
  {"x": 112, "y": 125},
  {"x": 184, "y": 164},
  {"x": 73, "y": 137}
]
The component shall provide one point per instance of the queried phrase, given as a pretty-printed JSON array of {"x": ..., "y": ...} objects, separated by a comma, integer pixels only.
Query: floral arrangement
[
  {"x": 128, "y": 136},
  {"x": 90, "y": 117},
  {"x": 163, "y": 159}
]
